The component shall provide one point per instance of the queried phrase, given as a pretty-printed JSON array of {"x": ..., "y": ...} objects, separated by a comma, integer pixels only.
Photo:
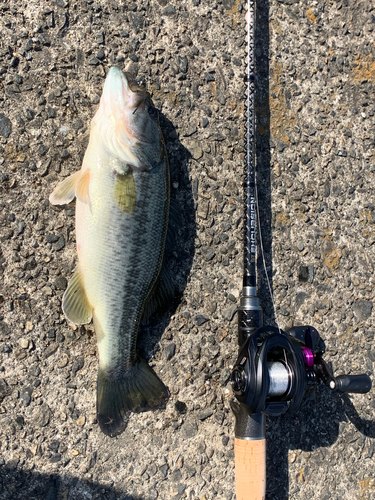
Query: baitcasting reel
[{"x": 274, "y": 367}]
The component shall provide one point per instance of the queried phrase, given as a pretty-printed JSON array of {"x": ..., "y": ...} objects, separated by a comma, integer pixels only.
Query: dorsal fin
[
  {"x": 174, "y": 223},
  {"x": 163, "y": 292},
  {"x": 161, "y": 296}
]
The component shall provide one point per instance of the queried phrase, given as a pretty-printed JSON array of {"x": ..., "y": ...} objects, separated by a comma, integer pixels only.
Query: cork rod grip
[{"x": 250, "y": 464}]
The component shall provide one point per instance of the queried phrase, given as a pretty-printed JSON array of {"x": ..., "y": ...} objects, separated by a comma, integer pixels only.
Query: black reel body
[{"x": 274, "y": 367}]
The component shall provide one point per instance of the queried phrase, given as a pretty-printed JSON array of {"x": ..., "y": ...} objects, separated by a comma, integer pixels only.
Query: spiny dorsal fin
[
  {"x": 163, "y": 293},
  {"x": 75, "y": 305},
  {"x": 124, "y": 192},
  {"x": 65, "y": 191}
]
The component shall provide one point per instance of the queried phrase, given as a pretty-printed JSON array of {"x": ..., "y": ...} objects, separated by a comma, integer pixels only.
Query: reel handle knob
[{"x": 358, "y": 384}]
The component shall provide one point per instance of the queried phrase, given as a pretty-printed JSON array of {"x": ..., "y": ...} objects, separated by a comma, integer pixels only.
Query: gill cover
[{"x": 126, "y": 122}]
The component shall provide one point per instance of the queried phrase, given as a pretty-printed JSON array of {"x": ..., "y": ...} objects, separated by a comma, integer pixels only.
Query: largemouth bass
[{"x": 122, "y": 212}]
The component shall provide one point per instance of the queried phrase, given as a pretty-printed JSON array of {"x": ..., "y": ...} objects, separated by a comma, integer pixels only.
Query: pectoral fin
[
  {"x": 83, "y": 183},
  {"x": 66, "y": 190},
  {"x": 75, "y": 304},
  {"x": 124, "y": 192}
]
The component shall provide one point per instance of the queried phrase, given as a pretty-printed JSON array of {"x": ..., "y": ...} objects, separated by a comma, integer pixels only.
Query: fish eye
[
  {"x": 153, "y": 112},
  {"x": 141, "y": 82}
]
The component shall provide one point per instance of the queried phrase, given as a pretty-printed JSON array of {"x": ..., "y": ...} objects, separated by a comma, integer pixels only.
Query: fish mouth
[
  {"x": 124, "y": 122},
  {"x": 122, "y": 92},
  {"x": 136, "y": 89}
]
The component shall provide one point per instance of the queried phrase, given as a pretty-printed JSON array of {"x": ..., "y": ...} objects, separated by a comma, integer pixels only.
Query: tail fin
[{"x": 137, "y": 389}]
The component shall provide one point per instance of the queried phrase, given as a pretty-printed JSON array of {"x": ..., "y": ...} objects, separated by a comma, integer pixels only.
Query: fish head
[{"x": 128, "y": 122}]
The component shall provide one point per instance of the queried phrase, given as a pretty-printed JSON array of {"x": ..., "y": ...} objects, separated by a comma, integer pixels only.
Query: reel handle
[{"x": 358, "y": 384}]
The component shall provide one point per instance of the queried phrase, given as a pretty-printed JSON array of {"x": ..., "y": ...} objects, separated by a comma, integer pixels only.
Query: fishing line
[
  {"x": 264, "y": 259},
  {"x": 250, "y": 144}
]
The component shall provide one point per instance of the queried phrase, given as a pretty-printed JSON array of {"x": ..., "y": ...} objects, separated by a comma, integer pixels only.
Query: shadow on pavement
[
  {"x": 21, "y": 484},
  {"x": 179, "y": 257},
  {"x": 315, "y": 425}
]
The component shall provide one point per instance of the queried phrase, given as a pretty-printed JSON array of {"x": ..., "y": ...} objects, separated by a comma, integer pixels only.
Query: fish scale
[{"x": 126, "y": 260}]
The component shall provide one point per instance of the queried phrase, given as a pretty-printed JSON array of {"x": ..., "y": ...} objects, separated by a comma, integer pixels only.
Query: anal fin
[{"x": 75, "y": 304}]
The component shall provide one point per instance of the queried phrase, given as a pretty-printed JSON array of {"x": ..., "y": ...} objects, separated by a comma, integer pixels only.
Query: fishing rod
[{"x": 274, "y": 367}]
